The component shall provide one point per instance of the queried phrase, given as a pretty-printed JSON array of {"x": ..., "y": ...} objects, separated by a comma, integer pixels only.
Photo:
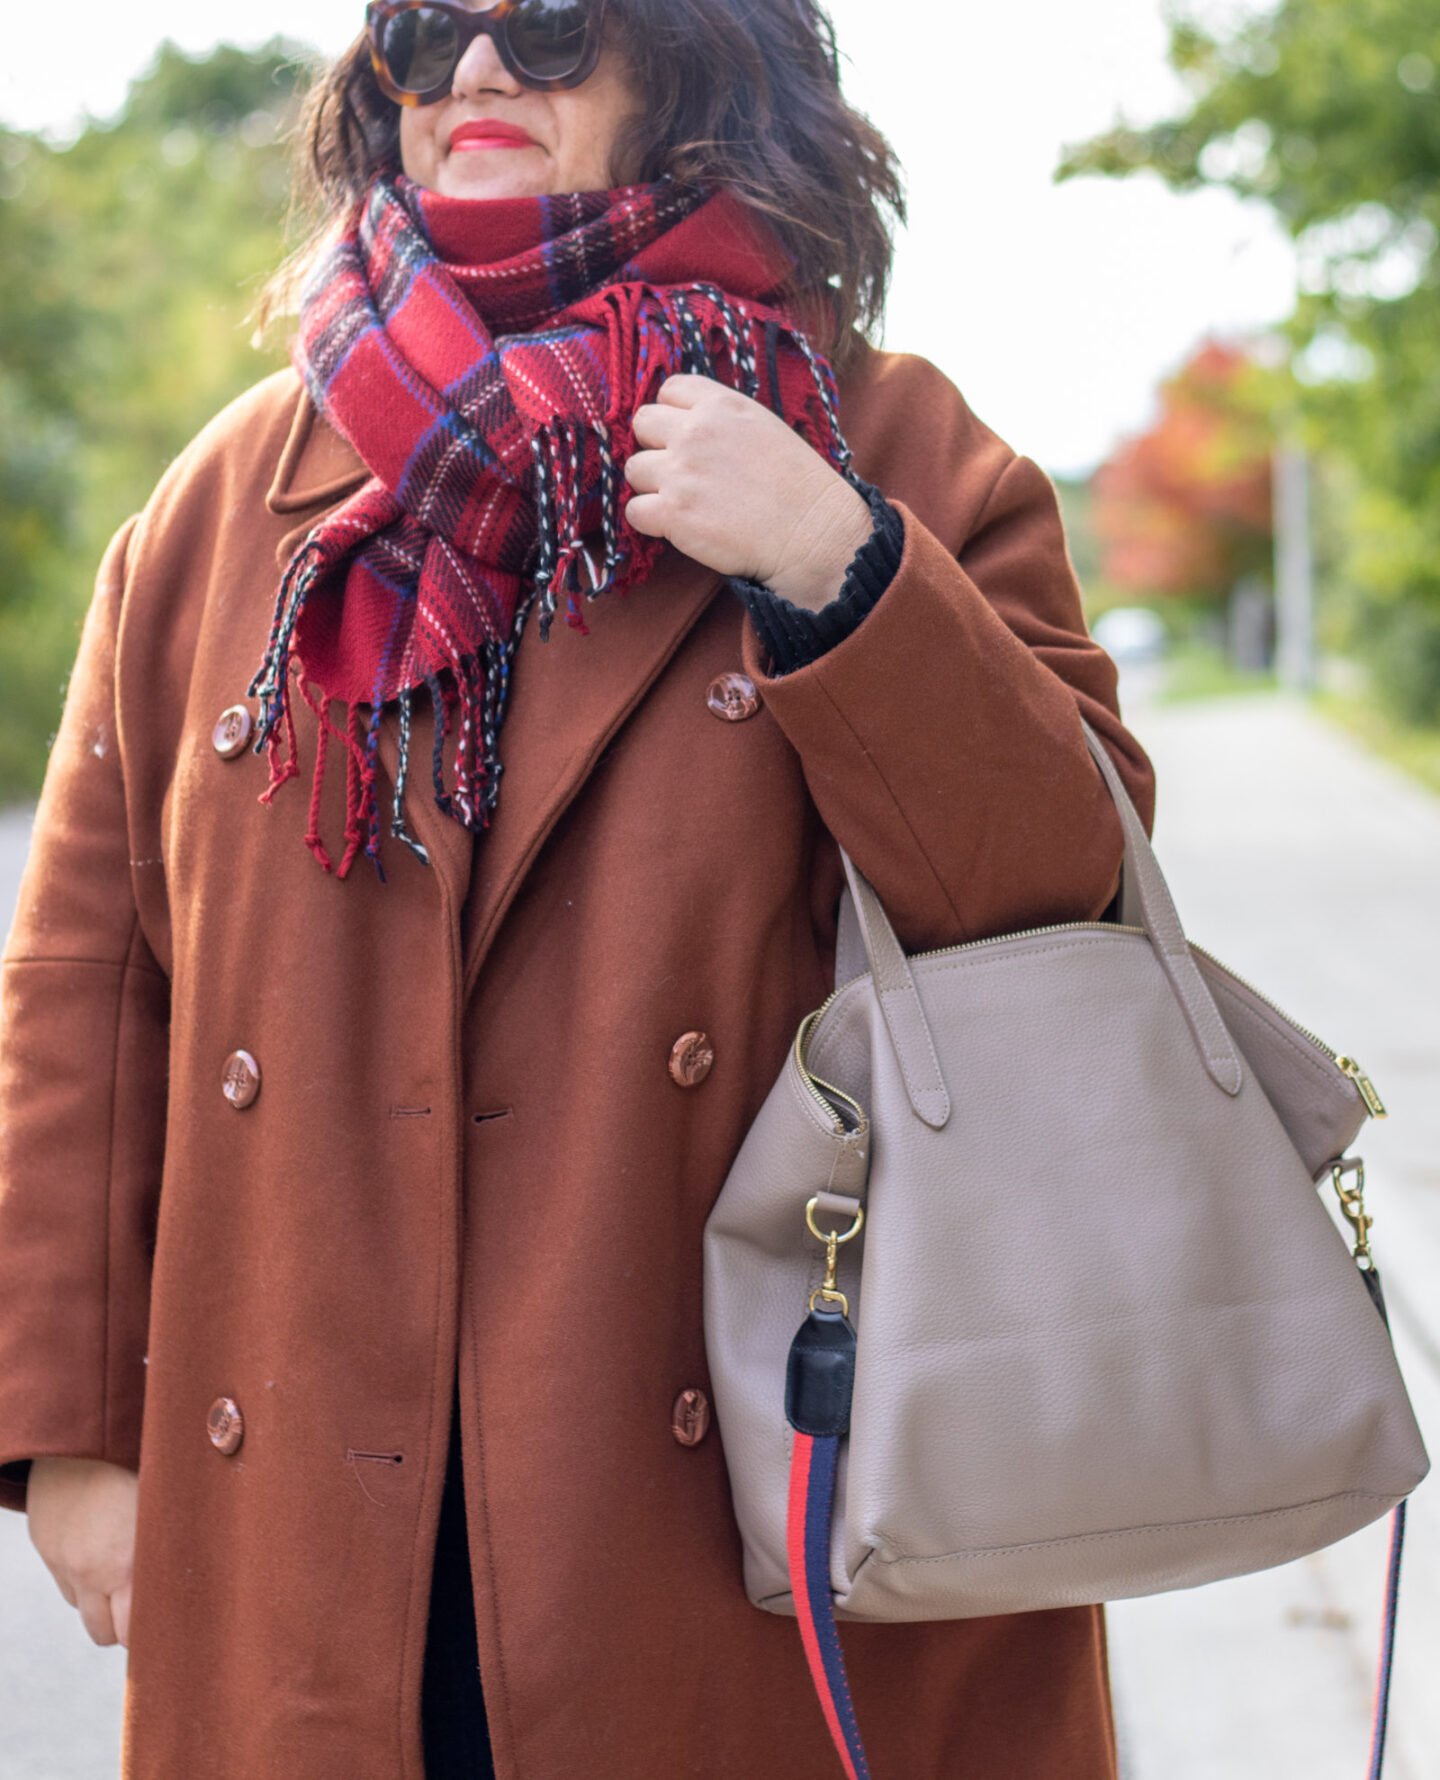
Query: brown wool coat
[{"x": 467, "y": 1141}]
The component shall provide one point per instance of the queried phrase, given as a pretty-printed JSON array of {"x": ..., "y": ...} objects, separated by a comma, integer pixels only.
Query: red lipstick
[{"x": 488, "y": 132}]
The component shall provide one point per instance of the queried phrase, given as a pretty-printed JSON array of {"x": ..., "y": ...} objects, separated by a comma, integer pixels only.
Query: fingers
[
  {"x": 644, "y": 513},
  {"x": 96, "y": 1616},
  {"x": 82, "y": 1523},
  {"x": 643, "y": 470},
  {"x": 656, "y": 426},
  {"x": 684, "y": 390},
  {"x": 120, "y": 1612}
]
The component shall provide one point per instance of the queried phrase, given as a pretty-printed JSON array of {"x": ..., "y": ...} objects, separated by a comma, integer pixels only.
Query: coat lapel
[
  {"x": 448, "y": 846},
  {"x": 568, "y": 697}
]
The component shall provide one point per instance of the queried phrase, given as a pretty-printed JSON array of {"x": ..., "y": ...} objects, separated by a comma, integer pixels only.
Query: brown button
[
  {"x": 232, "y": 731},
  {"x": 240, "y": 1079},
  {"x": 225, "y": 1425},
  {"x": 733, "y": 697},
  {"x": 692, "y": 1057},
  {"x": 690, "y": 1418}
]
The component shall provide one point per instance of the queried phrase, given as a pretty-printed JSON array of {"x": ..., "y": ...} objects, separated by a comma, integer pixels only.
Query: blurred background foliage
[
  {"x": 1185, "y": 509},
  {"x": 1329, "y": 113},
  {"x": 129, "y": 259}
]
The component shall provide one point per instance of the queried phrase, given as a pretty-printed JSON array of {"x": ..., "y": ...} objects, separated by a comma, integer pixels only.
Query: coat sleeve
[
  {"x": 942, "y": 741},
  {"x": 84, "y": 1024}
]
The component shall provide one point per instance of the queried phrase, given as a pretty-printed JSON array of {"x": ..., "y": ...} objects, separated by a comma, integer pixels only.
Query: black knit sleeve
[{"x": 794, "y": 636}]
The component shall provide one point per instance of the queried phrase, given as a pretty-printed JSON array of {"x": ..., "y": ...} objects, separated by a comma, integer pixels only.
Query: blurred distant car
[{"x": 1130, "y": 634}]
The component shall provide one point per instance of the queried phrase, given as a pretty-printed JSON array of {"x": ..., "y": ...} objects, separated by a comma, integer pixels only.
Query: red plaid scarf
[{"x": 484, "y": 358}]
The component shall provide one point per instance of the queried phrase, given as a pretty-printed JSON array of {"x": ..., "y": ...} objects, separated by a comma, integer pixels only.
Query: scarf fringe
[
  {"x": 568, "y": 457},
  {"x": 477, "y": 685}
]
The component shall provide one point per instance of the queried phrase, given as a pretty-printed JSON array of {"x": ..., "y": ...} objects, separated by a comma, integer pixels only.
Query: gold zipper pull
[{"x": 1374, "y": 1105}]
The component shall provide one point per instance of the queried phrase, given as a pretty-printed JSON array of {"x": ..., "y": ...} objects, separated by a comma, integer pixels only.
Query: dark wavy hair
[{"x": 739, "y": 93}]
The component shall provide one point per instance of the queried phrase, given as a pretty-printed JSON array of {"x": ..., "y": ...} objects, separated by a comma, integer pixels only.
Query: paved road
[{"x": 1313, "y": 870}]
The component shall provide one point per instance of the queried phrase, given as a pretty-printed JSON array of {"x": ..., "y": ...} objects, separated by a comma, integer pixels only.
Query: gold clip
[
  {"x": 1352, "y": 1207},
  {"x": 827, "y": 1290}
]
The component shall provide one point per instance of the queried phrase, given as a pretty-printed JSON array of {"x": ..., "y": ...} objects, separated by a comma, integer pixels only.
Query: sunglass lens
[
  {"x": 547, "y": 37},
  {"x": 420, "y": 50}
]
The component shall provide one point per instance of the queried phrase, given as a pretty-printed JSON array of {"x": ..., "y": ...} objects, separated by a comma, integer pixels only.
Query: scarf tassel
[
  {"x": 272, "y": 687},
  {"x": 361, "y": 816},
  {"x": 477, "y": 686},
  {"x": 480, "y": 684}
]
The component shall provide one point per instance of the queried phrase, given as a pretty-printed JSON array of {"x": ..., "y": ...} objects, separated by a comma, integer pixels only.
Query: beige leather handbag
[{"x": 1099, "y": 1303}]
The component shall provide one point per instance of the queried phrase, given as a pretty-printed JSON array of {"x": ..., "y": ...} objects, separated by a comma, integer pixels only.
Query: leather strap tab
[
  {"x": 839, "y": 1207},
  {"x": 820, "y": 1375}
]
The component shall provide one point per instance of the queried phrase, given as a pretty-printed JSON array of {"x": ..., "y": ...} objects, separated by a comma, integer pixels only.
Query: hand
[
  {"x": 82, "y": 1522},
  {"x": 727, "y": 481}
]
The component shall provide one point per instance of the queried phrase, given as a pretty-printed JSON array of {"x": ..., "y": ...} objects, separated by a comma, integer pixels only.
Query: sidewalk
[{"x": 1315, "y": 871}]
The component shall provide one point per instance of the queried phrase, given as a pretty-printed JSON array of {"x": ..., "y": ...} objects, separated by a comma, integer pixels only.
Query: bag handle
[
  {"x": 1145, "y": 902},
  {"x": 899, "y": 1002},
  {"x": 1145, "y": 893}
]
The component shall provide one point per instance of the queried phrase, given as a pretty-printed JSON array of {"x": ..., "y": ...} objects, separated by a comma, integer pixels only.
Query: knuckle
[{"x": 688, "y": 495}]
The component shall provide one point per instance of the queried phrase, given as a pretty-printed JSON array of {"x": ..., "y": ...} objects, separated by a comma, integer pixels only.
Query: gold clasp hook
[
  {"x": 827, "y": 1290},
  {"x": 1352, "y": 1206}
]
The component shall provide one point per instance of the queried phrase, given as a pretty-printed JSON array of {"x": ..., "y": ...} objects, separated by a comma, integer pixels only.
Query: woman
[{"x": 380, "y": 1191}]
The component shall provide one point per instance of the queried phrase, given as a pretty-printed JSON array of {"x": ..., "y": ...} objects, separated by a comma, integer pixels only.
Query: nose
[{"x": 480, "y": 70}]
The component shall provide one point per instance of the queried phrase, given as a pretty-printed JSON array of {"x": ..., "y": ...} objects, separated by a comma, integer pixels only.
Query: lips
[{"x": 488, "y": 132}]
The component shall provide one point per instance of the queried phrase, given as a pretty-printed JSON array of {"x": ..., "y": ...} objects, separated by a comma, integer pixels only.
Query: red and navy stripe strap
[{"x": 813, "y": 1464}]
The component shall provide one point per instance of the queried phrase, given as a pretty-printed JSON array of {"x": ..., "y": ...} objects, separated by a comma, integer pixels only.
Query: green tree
[
  {"x": 39, "y": 338},
  {"x": 1330, "y": 114},
  {"x": 129, "y": 261}
]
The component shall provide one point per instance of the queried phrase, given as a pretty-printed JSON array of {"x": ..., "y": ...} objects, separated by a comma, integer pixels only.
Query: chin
[{"x": 488, "y": 176}]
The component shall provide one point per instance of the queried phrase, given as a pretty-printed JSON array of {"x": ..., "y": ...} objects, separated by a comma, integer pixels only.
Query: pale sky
[{"x": 1055, "y": 309}]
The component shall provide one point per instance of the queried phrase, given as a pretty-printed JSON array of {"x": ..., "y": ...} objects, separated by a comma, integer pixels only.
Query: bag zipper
[
  {"x": 1347, "y": 1066},
  {"x": 825, "y": 1094}
]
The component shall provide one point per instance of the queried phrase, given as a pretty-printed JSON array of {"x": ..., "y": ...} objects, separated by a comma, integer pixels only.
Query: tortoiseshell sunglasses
[{"x": 416, "y": 45}]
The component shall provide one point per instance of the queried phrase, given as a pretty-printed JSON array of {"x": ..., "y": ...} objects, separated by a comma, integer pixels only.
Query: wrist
[{"x": 838, "y": 524}]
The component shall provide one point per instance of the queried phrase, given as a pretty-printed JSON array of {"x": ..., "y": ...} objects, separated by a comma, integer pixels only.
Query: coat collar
[
  {"x": 316, "y": 467},
  {"x": 568, "y": 698}
]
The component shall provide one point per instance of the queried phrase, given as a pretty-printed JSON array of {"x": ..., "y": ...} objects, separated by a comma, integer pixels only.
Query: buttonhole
[
  {"x": 409, "y": 1112},
  {"x": 378, "y": 1458},
  {"x": 503, "y": 1112}
]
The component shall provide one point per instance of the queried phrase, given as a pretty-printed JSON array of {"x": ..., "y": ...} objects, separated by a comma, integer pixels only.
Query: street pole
[{"x": 1294, "y": 571}]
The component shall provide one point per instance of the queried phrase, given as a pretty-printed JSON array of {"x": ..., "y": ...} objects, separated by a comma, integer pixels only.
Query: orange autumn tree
[{"x": 1184, "y": 509}]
